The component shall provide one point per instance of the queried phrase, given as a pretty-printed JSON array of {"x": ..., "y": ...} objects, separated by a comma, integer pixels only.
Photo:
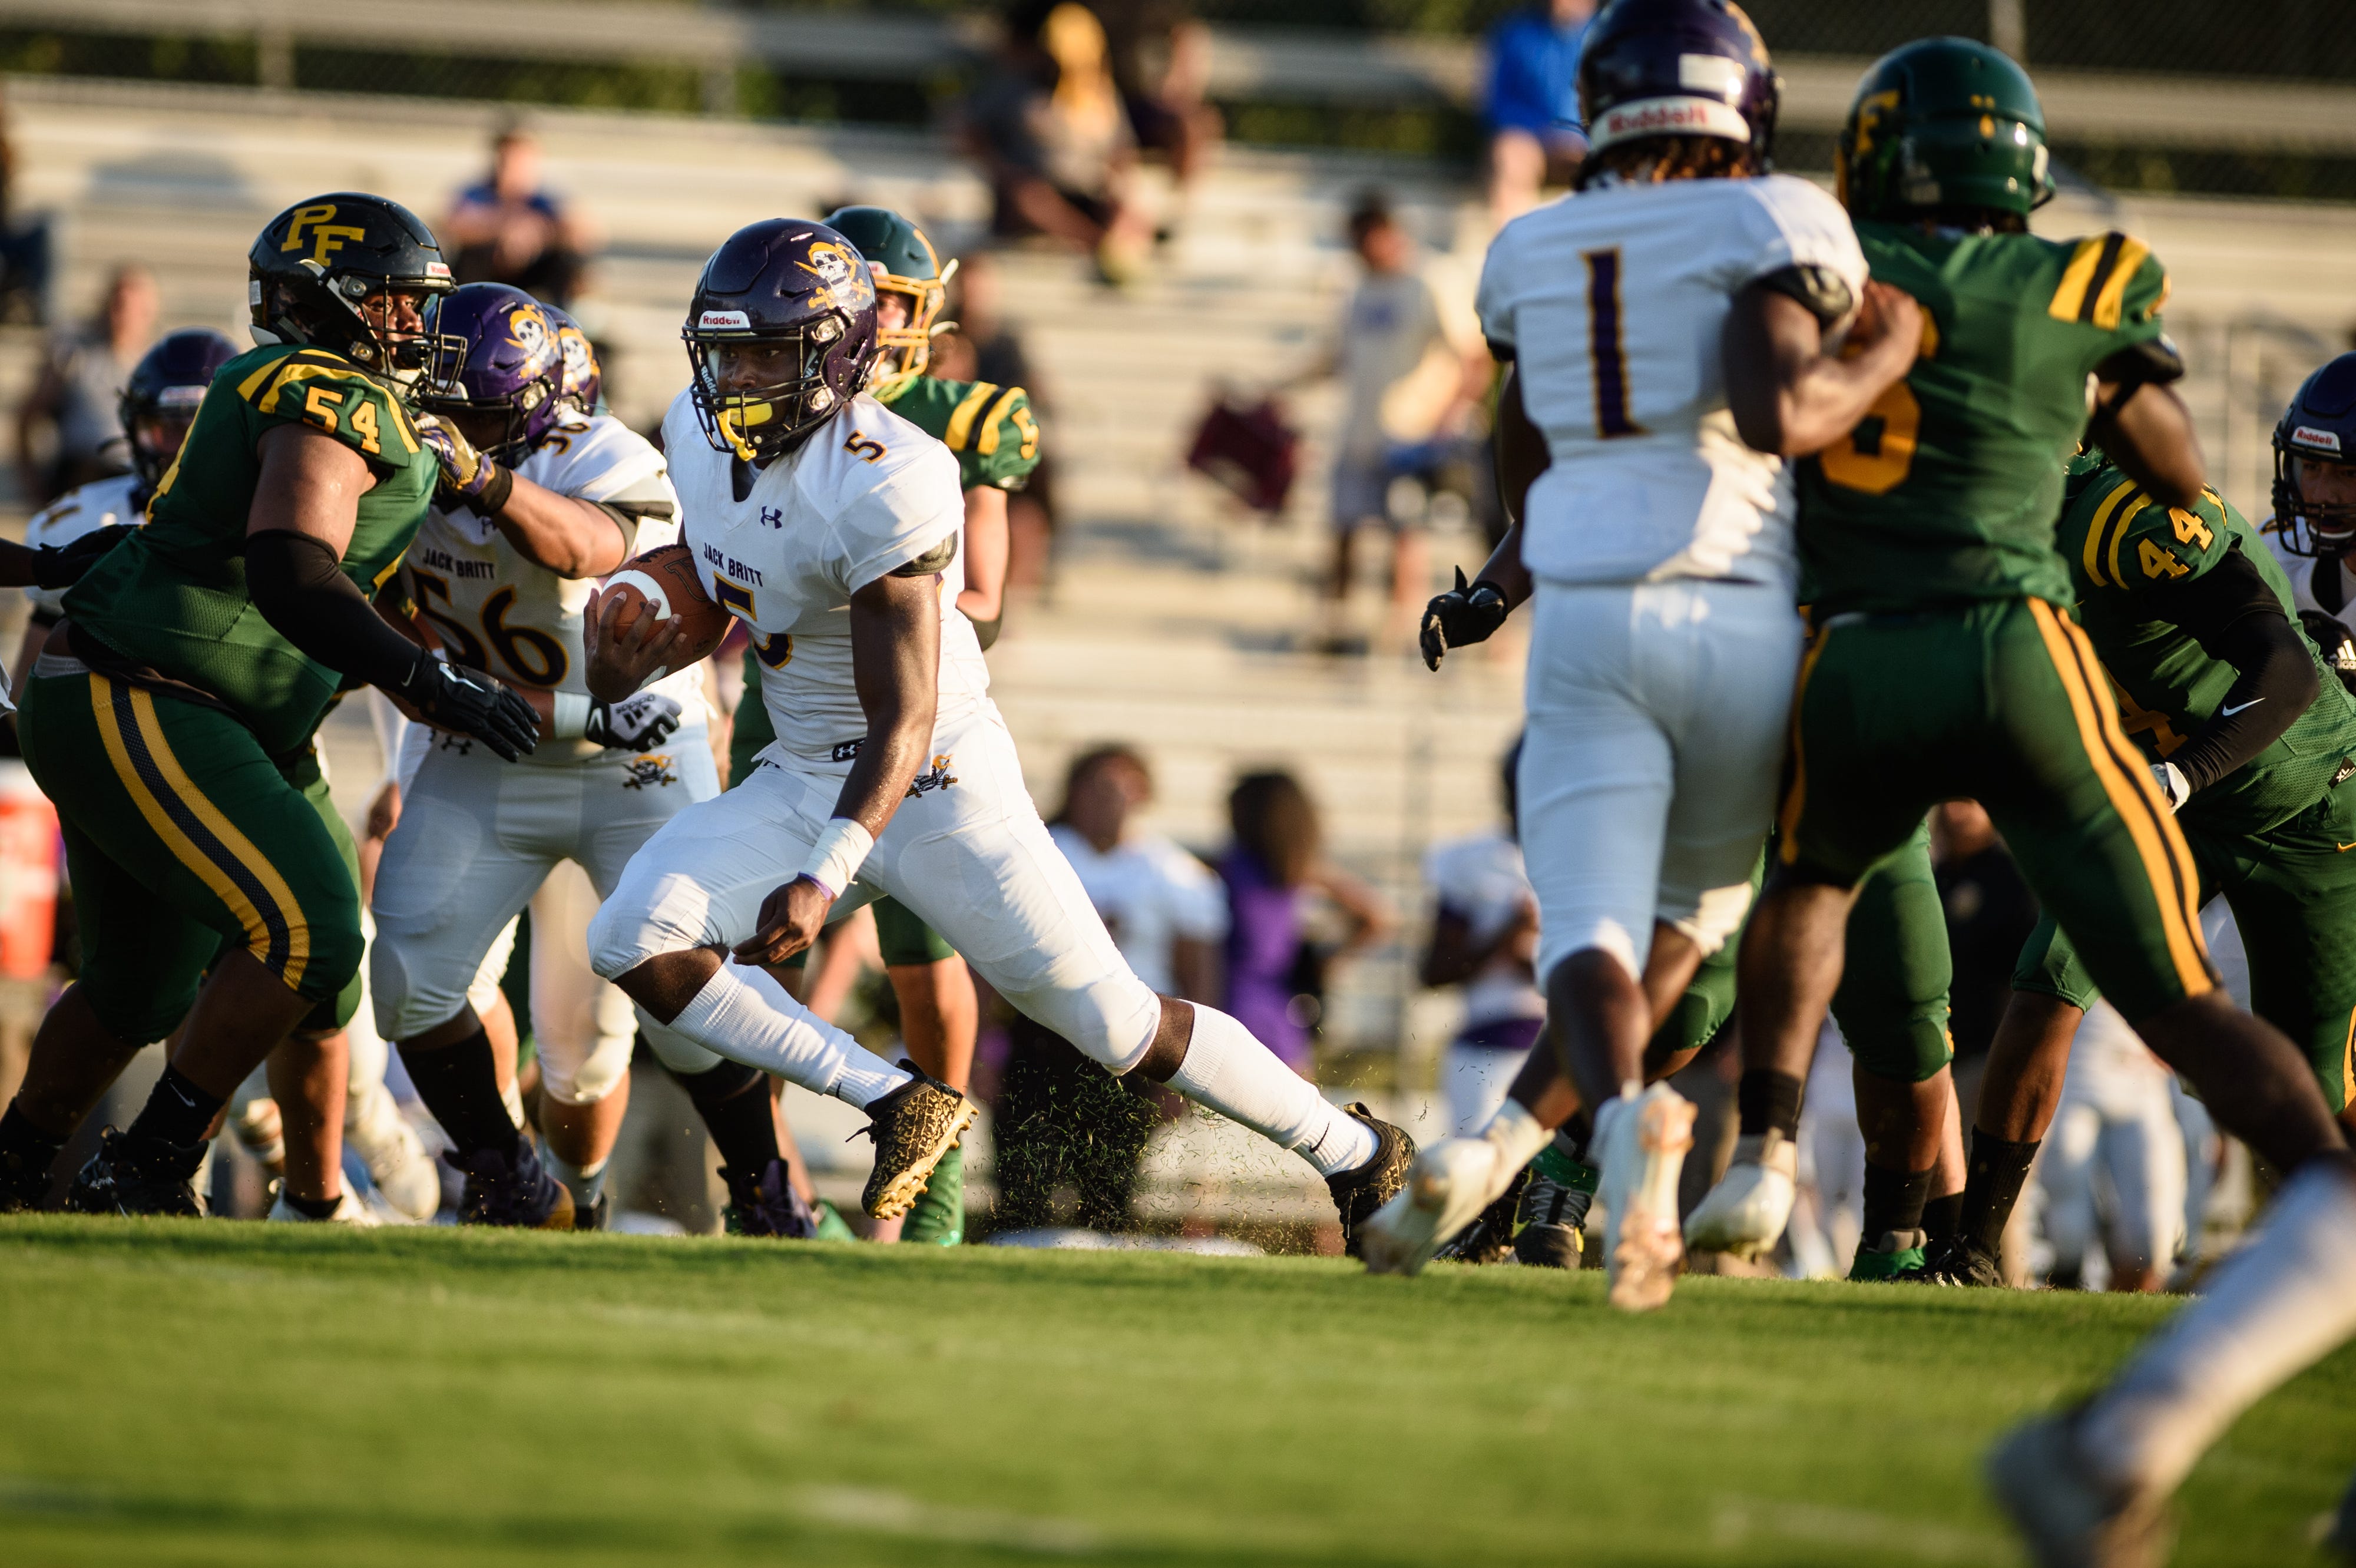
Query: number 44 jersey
[
  {"x": 492, "y": 609},
  {"x": 1612, "y": 303}
]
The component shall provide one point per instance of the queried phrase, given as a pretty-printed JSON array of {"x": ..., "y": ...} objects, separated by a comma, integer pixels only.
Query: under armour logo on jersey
[{"x": 772, "y": 517}]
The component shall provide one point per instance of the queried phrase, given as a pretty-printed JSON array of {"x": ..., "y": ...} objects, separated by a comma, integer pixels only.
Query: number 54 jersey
[
  {"x": 783, "y": 548},
  {"x": 493, "y": 610},
  {"x": 1613, "y": 302}
]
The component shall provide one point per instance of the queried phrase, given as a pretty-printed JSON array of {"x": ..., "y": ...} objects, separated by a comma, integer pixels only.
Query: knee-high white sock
[
  {"x": 1234, "y": 1075},
  {"x": 1517, "y": 1136},
  {"x": 2273, "y": 1309},
  {"x": 746, "y": 1016}
]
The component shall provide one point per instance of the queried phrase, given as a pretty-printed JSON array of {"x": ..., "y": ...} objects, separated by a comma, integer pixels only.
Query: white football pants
[{"x": 1657, "y": 714}]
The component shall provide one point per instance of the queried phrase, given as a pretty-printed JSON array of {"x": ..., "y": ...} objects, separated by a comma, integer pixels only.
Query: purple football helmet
[
  {"x": 2319, "y": 426},
  {"x": 495, "y": 351},
  {"x": 160, "y": 400},
  {"x": 781, "y": 332},
  {"x": 584, "y": 381},
  {"x": 1678, "y": 67}
]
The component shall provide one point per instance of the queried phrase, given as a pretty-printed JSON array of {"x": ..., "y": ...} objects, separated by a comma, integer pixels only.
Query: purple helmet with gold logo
[
  {"x": 583, "y": 379},
  {"x": 781, "y": 331},
  {"x": 1678, "y": 67},
  {"x": 496, "y": 352}
]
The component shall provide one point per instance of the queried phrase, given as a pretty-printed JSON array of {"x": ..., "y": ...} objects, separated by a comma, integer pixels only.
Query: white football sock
[
  {"x": 2273, "y": 1309},
  {"x": 1231, "y": 1071},
  {"x": 1517, "y": 1136},
  {"x": 585, "y": 1186},
  {"x": 745, "y": 1015}
]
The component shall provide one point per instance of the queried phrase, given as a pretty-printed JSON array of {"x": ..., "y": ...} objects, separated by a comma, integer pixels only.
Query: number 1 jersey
[{"x": 1612, "y": 303}]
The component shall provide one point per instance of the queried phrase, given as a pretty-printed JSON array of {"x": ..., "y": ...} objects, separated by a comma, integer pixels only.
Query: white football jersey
[
  {"x": 2301, "y": 570},
  {"x": 492, "y": 608},
  {"x": 1611, "y": 302},
  {"x": 866, "y": 494},
  {"x": 102, "y": 503},
  {"x": 1481, "y": 878}
]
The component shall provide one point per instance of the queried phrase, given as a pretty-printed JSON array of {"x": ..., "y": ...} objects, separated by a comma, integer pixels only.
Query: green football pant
[
  {"x": 1893, "y": 1002},
  {"x": 2000, "y": 702},
  {"x": 184, "y": 840},
  {"x": 900, "y": 936},
  {"x": 2293, "y": 893}
]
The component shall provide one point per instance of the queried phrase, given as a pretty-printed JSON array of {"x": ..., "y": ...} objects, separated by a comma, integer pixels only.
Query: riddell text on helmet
[{"x": 1672, "y": 116}]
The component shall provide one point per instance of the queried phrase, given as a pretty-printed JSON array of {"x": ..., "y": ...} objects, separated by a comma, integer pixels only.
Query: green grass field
[{"x": 236, "y": 1393}]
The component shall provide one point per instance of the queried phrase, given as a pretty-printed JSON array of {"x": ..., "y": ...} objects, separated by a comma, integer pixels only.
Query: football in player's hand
[{"x": 667, "y": 582}]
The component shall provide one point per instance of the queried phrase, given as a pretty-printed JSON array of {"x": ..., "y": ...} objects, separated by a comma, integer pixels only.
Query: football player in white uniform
[
  {"x": 1669, "y": 329},
  {"x": 538, "y": 498},
  {"x": 824, "y": 521}
]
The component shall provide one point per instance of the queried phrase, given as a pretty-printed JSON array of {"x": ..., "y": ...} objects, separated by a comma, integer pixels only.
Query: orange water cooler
[{"x": 28, "y": 874}]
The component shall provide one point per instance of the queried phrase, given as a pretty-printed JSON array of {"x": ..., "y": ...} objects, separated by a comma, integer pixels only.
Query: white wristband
[
  {"x": 571, "y": 719},
  {"x": 834, "y": 861}
]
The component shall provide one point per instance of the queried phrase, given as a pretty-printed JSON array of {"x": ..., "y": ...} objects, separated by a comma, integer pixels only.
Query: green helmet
[
  {"x": 903, "y": 263},
  {"x": 1940, "y": 124}
]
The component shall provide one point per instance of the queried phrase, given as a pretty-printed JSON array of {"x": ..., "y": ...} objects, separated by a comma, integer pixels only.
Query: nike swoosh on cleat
[{"x": 2229, "y": 711}]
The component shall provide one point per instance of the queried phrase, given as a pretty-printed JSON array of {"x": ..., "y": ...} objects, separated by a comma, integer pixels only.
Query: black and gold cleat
[
  {"x": 1490, "y": 1238},
  {"x": 131, "y": 1177},
  {"x": 1358, "y": 1193},
  {"x": 913, "y": 1127}
]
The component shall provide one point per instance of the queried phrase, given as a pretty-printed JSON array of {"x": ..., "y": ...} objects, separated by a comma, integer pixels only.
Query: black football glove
[
  {"x": 2334, "y": 641},
  {"x": 1465, "y": 613},
  {"x": 62, "y": 565},
  {"x": 635, "y": 724},
  {"x": 469, "y": 702}
]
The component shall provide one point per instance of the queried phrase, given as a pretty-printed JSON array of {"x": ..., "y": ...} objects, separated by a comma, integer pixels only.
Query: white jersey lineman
[
  {"x": 111, "y": 503},
  {"x": 2306, "y": 574},
  {"x": 478, "y": 837},
  {"x": 866, "y": 495},
  {"x": 1666, "y": 643}
]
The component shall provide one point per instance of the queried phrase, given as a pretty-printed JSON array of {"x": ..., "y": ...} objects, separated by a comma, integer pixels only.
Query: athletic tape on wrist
[
  {"x": 571, "y": 719},
  {"x": 834, "y": 861}
]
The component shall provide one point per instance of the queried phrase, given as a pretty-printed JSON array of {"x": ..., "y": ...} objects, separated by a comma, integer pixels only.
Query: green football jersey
[
  {"x": 1946, "y": 492},
  {"x": 2120, "y": 546},
  {"x": 990, "y": 427},
  {"x": 173, "y": 596}
]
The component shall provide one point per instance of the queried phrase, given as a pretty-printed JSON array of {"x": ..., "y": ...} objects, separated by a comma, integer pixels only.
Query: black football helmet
[
  {"x": 2319, "y": 426},
  {"x": 315, "y": 266},
  {"x": 1678, "y": 67},
  {"x": 801, "y": 293},
  {"x": 159, "y": 399}
]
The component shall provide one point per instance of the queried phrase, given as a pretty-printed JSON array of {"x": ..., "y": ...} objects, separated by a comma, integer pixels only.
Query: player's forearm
[
  {"x": 983, "y": 597},
  {"x": 571, "y": 537},
  {"x": 2276, "y": 681},
  {"x": 1504, "y": 568},
  {"x": 1823, "y": 400},
  {"x": 895, "y": 659},
  {"x": 18, "y": 565},
  {"x": 2147, "y": 430}
]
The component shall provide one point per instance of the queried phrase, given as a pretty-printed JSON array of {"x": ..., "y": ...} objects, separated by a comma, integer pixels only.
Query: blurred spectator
[
  {"x": 24, "y": 248},
  {"x": 1990, "y": 912},
  {"x": 1276, "y": 977},
  {"x": 1061, "y": 1117},
  {"x": 2113, "y": 1163},
  {"x": 987, "y": 347},
  {"x": 1052, "y": 140},
  {"x": 1413, "y": 368},
  {"x": 509, "y": 228},
  {"x": 1161, "y": 62},
  {"x": 72, "y": 413},
  {"x": 1484, "y": 937},
  {"x": 1530, "y": 103}
]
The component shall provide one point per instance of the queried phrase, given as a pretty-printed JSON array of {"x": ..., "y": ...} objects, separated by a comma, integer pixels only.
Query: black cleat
[
  {"x": 22, "y": 1184},
  {"x": 519, "y": 1197},
  {"x": 913, "y": 1127},
  {"x": 1954, "y": 1261},
  {"x": 1549, "y": 1227},
  {"x": 766, "y": 1205},
  {"x": 126, "y": 1177},
  {"x": 598, "y": 1216},
  {"x": 1490, "y": 1238},
  {"x": 1358, "y": 1193}
]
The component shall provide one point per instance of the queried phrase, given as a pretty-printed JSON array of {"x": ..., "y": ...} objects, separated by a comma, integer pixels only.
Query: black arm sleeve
[
  {"x": 299, "y": 587},
  {"x": 2234, "y": 616}
]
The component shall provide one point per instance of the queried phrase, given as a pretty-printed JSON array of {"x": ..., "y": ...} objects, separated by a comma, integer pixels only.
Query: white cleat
[
  {"x": 2066, "y": 1517},
  {"x": 1447, "y": 1187},
  {"x": 1745, "y": 1213},
  {"x": 349, "y": 1210},
  {"x": 397, "y": 1161},
  {"x": 1640, "y": 1145}
]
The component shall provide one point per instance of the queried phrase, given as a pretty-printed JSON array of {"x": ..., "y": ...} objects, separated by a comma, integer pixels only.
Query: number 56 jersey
[
  {"x": 1613, "y": 302},
  {"x": 866, "y": 496},
  {"x": 493, "y": 610}
]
